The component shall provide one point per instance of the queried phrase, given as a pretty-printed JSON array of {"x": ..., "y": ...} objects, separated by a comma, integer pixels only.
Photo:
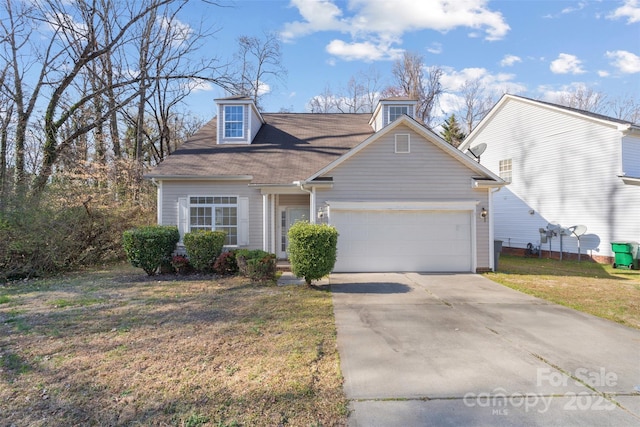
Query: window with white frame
[
  {"x": 234, "y": 121},
  {"x": 215, "y": 213},
  {"x": 396, "y": 111},
  {"x": 505, "y": 168}
]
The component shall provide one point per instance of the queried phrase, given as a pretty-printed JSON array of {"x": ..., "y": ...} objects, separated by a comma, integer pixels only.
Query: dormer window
[
  {"x": 397, "y": 111},
  {"x": 234, "y": 121}
]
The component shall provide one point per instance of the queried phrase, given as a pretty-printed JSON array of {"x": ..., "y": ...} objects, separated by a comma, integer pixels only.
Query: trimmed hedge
[
  {"x": 203, "y": 247},
  {"x": 312, "y": 250},
  {"x": 148, "y": 247}
]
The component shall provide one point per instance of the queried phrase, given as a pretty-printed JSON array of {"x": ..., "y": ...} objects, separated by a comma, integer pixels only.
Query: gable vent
[{"x": 403, "y": 144}]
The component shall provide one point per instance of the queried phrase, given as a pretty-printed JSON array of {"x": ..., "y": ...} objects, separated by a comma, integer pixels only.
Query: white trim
[
  {"x": 159, "y": 202},
  {"x": 630, "y": 180},
  {"x": 273, "y": 225},
  {"x": 265, "y": 221},
  {"x": 443, "y": 205},
  {"x": 224, "y": 122}
]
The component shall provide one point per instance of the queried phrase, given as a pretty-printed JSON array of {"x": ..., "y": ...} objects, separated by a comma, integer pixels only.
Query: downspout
[
  {"x": 312, "y": 200},
  {"x": 158, "y": 200}
]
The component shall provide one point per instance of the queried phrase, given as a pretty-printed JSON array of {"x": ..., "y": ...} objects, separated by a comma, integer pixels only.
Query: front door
[{"x": 288, "y": 217}]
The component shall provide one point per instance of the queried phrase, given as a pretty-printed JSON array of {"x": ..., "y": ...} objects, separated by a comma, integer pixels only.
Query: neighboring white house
[
  {"x": 565, "y": 166},
  {"x": 401, "y": 198}
]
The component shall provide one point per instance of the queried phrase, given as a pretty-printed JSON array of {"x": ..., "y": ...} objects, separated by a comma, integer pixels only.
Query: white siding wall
[
  {"x": 426, "y": 174},
  {"x": 173, "y": 190},
  {"x": 565, "y": 170},
  {"x": 254, "y": 123}
]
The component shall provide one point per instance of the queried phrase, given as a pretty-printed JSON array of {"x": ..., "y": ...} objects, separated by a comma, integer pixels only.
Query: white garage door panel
[{"x": 436, "y": 241}]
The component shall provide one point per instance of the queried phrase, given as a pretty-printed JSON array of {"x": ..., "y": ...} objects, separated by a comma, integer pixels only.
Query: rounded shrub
[
  {"x": 203, "y": 247},
  {"x": 312, "y": 250},
  {"x": 148, "y": 247}
]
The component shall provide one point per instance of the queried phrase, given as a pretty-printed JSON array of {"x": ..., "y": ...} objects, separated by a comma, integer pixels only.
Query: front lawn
[
  {"x": 597, "y": 289},
  {"x": 114, "y": 347}
]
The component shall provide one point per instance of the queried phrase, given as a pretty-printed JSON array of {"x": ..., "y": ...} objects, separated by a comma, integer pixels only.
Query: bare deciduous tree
[
  {"x": 583, "y": 98},
  {"x": 260, "y": 65},
  {"x": 477, "y": 102},
  {"x": 417, "y": 81}
]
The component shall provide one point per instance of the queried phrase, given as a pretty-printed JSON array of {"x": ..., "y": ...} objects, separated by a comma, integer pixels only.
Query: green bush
[
  {"x": 312, "y": 250},
  {"x": 203, "y": 247},
  {"x": 256, "y": 264},
  {"x": 148, "y": 247}
]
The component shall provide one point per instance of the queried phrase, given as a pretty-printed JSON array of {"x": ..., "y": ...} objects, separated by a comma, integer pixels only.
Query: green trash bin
[{"x": 626, "y": 254}]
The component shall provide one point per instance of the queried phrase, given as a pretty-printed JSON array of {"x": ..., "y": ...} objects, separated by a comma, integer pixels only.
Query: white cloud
[
  {"x": 199, "y": 85},
  {"x": 603, "y": 73},
  {"x": 571, "y": 9},
  {"x": 382, "y": 23},
  {"x": 363, "y": 51},
  {"x": 624, "y": 61},
  {"x": 178, "y": 31},
  {"x": 566, "y": 64},
  {"x": 630, "y": 10},
  {"x": 320, "y": 15},
  {"x": 509, "y": 60},
  {"x": 435, "y": 48}
]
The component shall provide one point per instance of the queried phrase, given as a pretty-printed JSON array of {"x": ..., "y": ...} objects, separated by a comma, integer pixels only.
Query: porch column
[
  {"x": 273, "y": 223},
  {"x": 265, "y": 222},
  {"x": 312, "y": 207}
]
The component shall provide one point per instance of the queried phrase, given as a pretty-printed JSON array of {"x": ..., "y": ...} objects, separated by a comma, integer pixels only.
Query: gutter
[{"x": 199, "y": 177}]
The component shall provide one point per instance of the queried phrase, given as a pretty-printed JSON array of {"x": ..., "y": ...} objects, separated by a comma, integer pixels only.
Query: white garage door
[{"x": 376, "y": 241}]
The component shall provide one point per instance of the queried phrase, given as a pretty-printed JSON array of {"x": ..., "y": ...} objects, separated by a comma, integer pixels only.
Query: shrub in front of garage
[{"x": 312, "y": 250}]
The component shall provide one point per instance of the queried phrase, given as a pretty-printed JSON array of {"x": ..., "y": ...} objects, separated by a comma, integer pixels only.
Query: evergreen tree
[{"x": 451, "y": 131}]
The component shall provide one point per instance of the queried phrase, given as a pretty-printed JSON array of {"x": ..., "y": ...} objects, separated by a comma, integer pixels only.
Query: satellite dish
[
  {"x": 478, "y": 150},
  {"x": 578, "y": 230}
]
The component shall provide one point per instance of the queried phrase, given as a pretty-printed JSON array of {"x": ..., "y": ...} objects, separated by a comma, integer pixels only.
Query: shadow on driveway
[{"x": 371, "y": 288}]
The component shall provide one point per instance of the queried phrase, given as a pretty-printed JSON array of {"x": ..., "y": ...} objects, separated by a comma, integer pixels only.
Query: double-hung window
[
  {"x": 396, "y": 111},
  {"x": 215, "y": 213},
  {"x": 234, "y": 121},
  {"x": 506, "y": 169}
]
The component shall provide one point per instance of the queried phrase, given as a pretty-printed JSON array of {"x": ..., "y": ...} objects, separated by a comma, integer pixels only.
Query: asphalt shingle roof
[{"x": 288, "y": 147}]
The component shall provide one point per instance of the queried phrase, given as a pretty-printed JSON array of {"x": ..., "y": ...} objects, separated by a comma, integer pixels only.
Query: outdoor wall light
[{"x": 483, "y": 214}]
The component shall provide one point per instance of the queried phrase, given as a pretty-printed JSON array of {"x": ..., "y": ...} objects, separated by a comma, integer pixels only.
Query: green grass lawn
[
  {"x": 597, "y": 289},
  {"x": 113, "y": 347}
]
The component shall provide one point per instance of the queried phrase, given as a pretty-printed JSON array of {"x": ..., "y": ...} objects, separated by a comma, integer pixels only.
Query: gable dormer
[
  {"x": 389, "y": 109},
  {"x": 238, "y": 120}
]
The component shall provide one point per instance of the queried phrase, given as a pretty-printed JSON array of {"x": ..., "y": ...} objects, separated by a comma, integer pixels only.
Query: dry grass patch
[
  {"x": 597, "y": 289},
  {"x": 113, "y": 347}
]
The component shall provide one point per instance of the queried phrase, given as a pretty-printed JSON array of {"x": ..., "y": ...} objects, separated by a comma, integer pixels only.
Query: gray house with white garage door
[{"x": 401, "y": 198}]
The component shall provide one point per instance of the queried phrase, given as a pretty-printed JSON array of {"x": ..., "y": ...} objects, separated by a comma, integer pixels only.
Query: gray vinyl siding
[
  {"x": 427, "y": 173},
  {"x": 631, "y": 156},
  {"x": 565, "y": 170},
  {"x": 173, "y": 190}
]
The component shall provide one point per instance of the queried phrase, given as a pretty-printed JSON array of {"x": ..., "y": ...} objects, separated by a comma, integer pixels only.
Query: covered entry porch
[{"x": 283, "y": 206}]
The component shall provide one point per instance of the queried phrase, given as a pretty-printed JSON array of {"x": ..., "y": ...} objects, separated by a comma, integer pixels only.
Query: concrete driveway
[{"x": 458, "y": 349}]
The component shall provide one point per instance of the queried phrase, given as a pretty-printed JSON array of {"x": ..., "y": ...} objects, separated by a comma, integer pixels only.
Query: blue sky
[{"x": 532, "y": 48}]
